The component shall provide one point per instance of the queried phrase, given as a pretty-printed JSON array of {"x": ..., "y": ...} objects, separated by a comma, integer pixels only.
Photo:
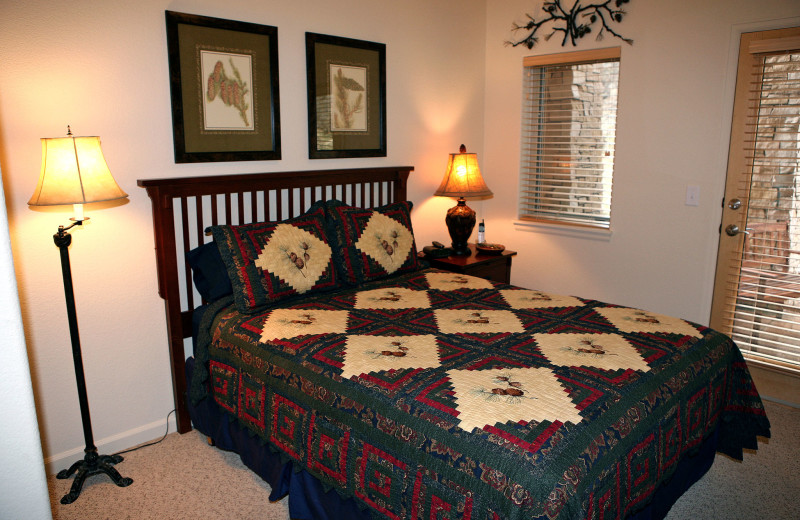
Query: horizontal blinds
[
  {"x": 568, "y": 135},
  {"x": 765, "y": 321}
]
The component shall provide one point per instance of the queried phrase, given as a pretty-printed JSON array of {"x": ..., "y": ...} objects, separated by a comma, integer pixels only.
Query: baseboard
[
  {"x": 780, "y": 401},
  {"x": 776, "y": 385},
  {"x": 112, "y": 444}
]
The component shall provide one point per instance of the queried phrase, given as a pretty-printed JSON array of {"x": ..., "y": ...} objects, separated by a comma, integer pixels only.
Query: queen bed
[{"x": 363, "y": 384}]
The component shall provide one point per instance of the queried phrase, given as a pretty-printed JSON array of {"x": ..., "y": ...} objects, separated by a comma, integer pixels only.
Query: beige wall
[{"x": 102, "y": 68}]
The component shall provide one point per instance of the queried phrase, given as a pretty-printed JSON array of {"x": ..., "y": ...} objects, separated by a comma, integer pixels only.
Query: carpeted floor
[
  {"x": 765, "y": 485},
  {"x": 171, "y": 481}
]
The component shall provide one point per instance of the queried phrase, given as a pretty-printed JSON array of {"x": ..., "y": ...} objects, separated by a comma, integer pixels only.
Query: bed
[{"x": 363, "y": 384}]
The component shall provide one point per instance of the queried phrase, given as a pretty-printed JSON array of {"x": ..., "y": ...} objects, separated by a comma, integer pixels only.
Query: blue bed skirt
[{"x": 308, "y": 500}]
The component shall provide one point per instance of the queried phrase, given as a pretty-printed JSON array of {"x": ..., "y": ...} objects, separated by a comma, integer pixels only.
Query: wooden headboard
[{"x": 184, "y": 207}]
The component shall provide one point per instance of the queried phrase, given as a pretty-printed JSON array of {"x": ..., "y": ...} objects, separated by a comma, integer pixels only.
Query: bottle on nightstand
[{"x": 481, "y": 232}]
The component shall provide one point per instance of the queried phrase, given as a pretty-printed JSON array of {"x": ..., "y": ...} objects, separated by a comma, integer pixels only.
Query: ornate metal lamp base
[{"x": 92, "y": 464}]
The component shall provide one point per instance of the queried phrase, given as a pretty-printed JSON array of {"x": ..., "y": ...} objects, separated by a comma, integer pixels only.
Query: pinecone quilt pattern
[{"x": 439, "y": 390}]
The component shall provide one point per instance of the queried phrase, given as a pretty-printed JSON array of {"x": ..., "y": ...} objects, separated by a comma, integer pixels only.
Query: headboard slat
[
  {"x": 228, "y": 204},
  {"x": 214, "y": 220},
  {"x": 183, "y": 207},
  {"x": 198, "y": 209},
  {"x": 170, "y": 199}
]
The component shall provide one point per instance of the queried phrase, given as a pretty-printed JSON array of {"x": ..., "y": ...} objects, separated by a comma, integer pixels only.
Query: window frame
[{"x": 527, "y": 177}]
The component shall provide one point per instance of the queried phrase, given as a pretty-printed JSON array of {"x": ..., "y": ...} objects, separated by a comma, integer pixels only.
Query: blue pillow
[{"x": 209, "y": 272}]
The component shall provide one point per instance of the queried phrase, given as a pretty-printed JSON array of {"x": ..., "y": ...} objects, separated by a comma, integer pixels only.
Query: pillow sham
[
  {"x": 372, "y": 243},
  {"x": 271, "y": 261},
  {"x": 209, "y": 272}
]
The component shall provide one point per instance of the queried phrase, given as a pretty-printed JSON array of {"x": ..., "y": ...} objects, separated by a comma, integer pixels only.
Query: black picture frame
[
  {"x": 224, "y": 88},
  {"x": 343, "y": 73}
]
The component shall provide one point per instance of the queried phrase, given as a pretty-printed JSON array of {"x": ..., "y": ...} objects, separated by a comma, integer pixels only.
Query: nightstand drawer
[{"x": 497, "y": 271}]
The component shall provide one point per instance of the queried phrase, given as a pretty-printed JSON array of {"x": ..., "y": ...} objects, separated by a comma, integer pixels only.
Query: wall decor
[
  {"x": 346, "y": 97},
  {"x": 578, "y": 21},
  {"x": 224, "y": 88}
]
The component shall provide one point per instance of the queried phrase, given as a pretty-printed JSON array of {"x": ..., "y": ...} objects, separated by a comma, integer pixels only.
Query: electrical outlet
[{"x": 692, "y": 195}]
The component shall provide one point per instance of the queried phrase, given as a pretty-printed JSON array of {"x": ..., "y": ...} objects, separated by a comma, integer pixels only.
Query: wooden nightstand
[{"x": 491, "y": 267}]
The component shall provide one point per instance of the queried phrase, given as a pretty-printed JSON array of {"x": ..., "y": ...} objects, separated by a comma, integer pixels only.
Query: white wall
[
  {"x": 24, "y": 489},
  {"x": 672, "y": 131},
  {"x": 102, "y": 68}
]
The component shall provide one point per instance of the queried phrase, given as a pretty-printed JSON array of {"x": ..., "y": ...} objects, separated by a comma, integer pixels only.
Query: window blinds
[
  {"x": 765, "y": 320},
  {"x": 568, "y": 134}
]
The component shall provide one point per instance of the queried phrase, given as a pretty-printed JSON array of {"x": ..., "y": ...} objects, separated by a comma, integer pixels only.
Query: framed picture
[
  {"x": 224, "y": 86},
  {"x": 346, "y": 97}
]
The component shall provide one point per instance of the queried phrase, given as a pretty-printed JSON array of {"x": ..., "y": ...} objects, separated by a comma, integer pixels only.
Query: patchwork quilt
[{"x": 440, "y": 395}]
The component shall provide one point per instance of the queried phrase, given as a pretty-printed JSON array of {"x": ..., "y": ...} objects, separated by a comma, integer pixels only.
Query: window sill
[{"x": 566, "y": 230}]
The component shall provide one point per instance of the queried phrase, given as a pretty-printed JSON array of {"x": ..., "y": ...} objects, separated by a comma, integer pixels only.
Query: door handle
[
  {"x": 735, "y": 204},
  {"x": 732, "y": 230}
]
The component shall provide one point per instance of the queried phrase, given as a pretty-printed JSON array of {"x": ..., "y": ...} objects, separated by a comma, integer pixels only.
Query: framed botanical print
[
  {"x": 346, "y": 97},
  {"x": 224, "y": 89}
]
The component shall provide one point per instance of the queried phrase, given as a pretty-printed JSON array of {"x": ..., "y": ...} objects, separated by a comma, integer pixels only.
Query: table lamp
[
  {"x": 74, "y": 171},
  {"x": 462, "y": 180}
]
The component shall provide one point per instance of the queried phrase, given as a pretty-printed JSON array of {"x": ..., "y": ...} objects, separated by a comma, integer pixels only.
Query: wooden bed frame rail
[{"x": 184, "y": 207}]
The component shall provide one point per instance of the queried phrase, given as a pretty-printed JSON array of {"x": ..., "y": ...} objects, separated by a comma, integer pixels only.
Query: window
[{"x": 569, "y": 119}]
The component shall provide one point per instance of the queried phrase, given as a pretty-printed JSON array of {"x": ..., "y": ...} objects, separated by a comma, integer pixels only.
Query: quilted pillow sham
[
  {"x": 271, "y": 261},
  {"x": 372, "y": 243}
]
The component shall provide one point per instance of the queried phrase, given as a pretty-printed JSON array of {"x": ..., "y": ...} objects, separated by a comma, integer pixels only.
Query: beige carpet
[
  {"x": 171, "y": 481},
  {"x": 765, "y": 485}
]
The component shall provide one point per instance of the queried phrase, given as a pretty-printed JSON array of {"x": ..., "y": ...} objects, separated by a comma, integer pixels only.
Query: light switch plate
[{"x": 692, "y": 195}]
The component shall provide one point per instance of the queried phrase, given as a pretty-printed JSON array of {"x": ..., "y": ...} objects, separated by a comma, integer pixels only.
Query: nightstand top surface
[{"x": 474, "y": 258}]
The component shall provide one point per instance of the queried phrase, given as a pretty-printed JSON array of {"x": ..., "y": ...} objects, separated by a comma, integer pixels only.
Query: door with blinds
[{"x": 757, "y": 286}]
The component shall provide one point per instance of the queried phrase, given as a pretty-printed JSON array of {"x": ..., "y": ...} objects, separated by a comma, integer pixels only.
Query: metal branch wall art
[{"x": 577, "y": 21}]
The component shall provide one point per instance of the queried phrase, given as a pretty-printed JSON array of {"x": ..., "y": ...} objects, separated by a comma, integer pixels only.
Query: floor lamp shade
[
  {"x": 74, "y": 171},
  {"x": 463, "y": 180}
]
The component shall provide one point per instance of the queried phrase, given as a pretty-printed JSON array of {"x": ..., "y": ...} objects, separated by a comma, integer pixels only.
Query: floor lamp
[{"x": 74, "y": 171}]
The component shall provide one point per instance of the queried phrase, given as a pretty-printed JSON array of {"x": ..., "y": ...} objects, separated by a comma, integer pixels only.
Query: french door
[{"x": 757, "y": 287}]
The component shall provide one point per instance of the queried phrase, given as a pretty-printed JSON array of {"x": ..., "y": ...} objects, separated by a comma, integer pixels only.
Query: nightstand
[{"x": 496, "y": 268}]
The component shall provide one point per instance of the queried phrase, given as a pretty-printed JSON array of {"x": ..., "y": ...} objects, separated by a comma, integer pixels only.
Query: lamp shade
[
  {"x": 74, "y": 171},
  {"x": 463, "y": 177}
]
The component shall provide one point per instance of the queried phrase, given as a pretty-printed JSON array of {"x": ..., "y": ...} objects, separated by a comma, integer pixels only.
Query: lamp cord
[{"x": 149, "y": 443}]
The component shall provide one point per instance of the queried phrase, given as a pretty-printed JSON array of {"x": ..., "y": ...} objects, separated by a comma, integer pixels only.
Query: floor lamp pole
[{"x": 92, "y": 463}]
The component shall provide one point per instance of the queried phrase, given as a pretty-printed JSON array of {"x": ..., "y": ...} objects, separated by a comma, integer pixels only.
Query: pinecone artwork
[
  {"x": 231, "y": 90},
  {"x": 345, "y": 110},
  {"x": 298, "y": 260}
]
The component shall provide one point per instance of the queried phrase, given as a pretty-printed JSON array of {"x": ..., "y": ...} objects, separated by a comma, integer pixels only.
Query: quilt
[{"x": 440, "y": 395}]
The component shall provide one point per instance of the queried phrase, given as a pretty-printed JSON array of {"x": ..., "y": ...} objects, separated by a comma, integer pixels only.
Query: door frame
[
  {"x": 728, "y": 97},
  {"x": 772, "y": 383}
]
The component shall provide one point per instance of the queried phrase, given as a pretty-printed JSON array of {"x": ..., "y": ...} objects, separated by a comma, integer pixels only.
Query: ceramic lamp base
[{"x": 460, "y": 222}]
